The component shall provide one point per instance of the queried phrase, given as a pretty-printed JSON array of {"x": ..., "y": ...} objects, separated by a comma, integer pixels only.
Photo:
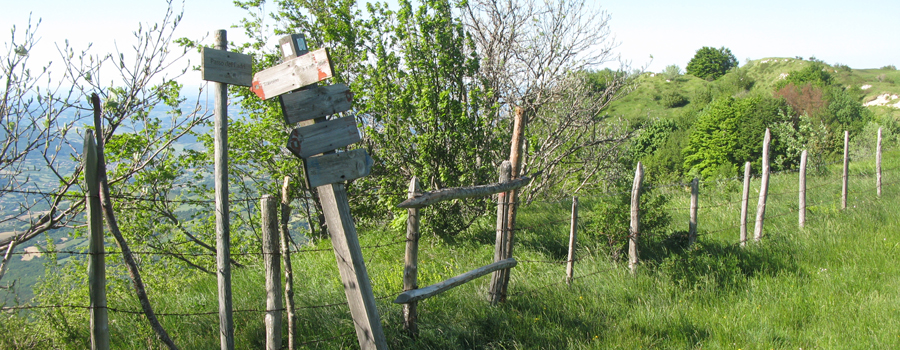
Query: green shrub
[
  {"x": 710, "y": 63},
  {"x": 673, "y": 99},
  {"x": 671, "y": 72},
  {"x": 889, "y": 67}
]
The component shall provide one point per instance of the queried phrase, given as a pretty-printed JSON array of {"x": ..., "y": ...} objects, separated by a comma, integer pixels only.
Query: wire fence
[{"x": 543, "y": 225}]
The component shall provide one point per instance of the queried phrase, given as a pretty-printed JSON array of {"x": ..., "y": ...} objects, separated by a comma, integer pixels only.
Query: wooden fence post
[
  {"x": 801, "y": 210},
  {"x": 878, "y": 164},
  {"x": 352, "y": 266},
  {"x": 223, "y": 231},
  {"x": 497, "y": 278},
  {"x": 272, "y": 263},
  {"x": 97, "y": 267},
  {"x": 286, "y": 259},
  {"x": 692, "y": 227},
  {"x": 745, "y": 202},
  {"x": 763, "y": 189},
  {"x": 515, "y": 159},
  {"x": 411, "y": 266},
  {"x": 845, "y": 176},
  {"x": 570, "y": 263},
  {"x": 634, "y": 229}
]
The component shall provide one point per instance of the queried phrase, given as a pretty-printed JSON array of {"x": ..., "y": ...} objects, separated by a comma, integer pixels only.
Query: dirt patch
[
  {"x": 885, "y": 100},
  {"x": 31, "y": 253}
]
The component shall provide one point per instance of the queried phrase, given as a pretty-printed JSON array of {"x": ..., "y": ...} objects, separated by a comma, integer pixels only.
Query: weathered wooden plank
[
  {"x": 352, "y": 267},
  {"x": 223, "y": 221},
  {"x": 308, "y": 141},
  {"x": 845, "y": 177},
  {"x": 226, "y": 67},
  {"x": 745, "y": 202},
  {"x": 411, "y": 265},
  {"x": 573, "y": 232},
  {"x": 271, "y": 257},
  {"x": 315, "y": 102},
  {"x": 437, "y": 288},
  {"x": 292, "y": 74},
  {"x": 338, "y": 167},
  {"x": 286, "y": 258},
  {"x": 634, "y": 230},
  {"x": 763, "y": 189},
  {"x": 692, "y": 224},
  {"x": 97, "y": 267},
  {"x": 498, "y": 277},
  {"x": 446, "y": 194},
  {"x": 801, "y": 206}
]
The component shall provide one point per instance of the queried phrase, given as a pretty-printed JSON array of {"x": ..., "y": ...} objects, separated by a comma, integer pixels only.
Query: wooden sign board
[
  {"x": 318, "y": 138},
  {"x": 226, "y": 67},
  {"x": 315, "y": 102},
  {"x": 292, "y": 45},
  {"x": 338, "y": 167},
  {"x": 293, "y": 74}
]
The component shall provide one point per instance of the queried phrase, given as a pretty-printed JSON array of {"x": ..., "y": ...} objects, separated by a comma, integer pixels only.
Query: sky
[{"x": 860, "y": 34}]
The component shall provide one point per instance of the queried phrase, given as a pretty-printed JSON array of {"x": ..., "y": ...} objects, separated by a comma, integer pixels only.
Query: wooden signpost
[
  {"x": 293, "y": 74},
  {"x": 327, "y": 172},
  {"x": 223, "y": 68},
  {"x": 318, "y": 138},
  {"x": 226, "y": 67},
  {"x": 315, "y": 102}
]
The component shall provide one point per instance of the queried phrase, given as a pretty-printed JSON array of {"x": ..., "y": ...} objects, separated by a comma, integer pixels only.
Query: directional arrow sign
[
  {"x": 292, "y": 74},
  {"x": 315, "y": 102},
  {"x": 318, "y": 138},
  {"x": 226, "y": 67},
  {"x": 337, "y": 167}
]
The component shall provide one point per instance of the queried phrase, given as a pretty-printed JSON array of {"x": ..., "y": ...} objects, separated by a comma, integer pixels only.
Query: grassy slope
[
  {"x": 643, "y": 102},
  {"x": 835, "y": 284}
]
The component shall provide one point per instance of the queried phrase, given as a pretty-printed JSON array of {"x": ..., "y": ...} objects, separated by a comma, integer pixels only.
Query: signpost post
[
  {"x": 223, "y": 68},
  {"x": 327, "y": 172}
]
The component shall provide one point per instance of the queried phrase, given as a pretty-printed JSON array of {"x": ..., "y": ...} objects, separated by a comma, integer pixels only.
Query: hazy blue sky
[{"x": 861, "y": 34}]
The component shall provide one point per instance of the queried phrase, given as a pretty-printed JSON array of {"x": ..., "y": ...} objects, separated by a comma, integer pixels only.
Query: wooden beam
[
  {"x": 429, "y": 198},
  {"x": 315, "y": 102},
  {"x": 352, "y": 267},
  {"x": 437, "y": 288},
  {"x": 271, "y": 262},
  {"x": 307, "y": 141}
]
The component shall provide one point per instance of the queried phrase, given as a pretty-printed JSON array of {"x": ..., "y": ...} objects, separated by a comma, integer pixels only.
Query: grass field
[{"x": 834, "y": 284}]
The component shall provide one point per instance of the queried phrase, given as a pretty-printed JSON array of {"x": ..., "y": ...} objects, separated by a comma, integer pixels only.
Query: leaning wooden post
[
  {"x": 745, "y": 202},
  {"x": 97, "y": 267},
  {"x": 286, "y": 260},
  {"x": 878, "y": 164},
  {"x": 692, "y": 227},
  {"x": 497, "y": 278},
  {"x": 223, "y": 230},
  {"x": 801, "y": 210},
  {"x": 515, "y": 159},
  {"x": 411, "y": 265},
  {"x": 845, "y": 176},
  {"x": 763, "y": 189},
  {"x": 272, "y": 263},
  {"x": 570, "y": 263},
  {"x": 634, "y": 230}
]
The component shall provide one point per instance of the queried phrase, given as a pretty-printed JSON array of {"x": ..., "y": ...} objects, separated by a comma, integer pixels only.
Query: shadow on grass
[{"x": 723, "y": 265}]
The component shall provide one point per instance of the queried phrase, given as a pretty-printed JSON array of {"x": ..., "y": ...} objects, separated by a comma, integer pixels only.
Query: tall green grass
[{"x": 834, "y": 284}]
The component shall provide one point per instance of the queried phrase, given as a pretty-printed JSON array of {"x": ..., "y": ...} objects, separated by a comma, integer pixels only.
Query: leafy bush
[
  {"x": 672, "y": 99},
  {"x": 608, "y": 219},
  {"x": 889, "y": 67},
  {"x": 729, "y": 132},
  {"x": 710, "y": 63},
  {"x": 671, "y": 72},
  {"x": 815, "y": 74}
]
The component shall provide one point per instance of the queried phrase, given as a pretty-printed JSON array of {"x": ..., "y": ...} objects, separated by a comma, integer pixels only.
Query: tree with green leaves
[{"x": 711, "y": 63}]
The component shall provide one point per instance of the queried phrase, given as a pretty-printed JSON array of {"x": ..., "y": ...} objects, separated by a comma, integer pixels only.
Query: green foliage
[
  {"x": 671, "y": 72},
  {"x": 889, "y": 67},
  {"x": 710, "y": 63},
  {"x": 673, "y": 99},
  {"x": 607, "y": 219},
  {"x": 816, "y": 74},
  {"x": 729, "y": 132}
]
